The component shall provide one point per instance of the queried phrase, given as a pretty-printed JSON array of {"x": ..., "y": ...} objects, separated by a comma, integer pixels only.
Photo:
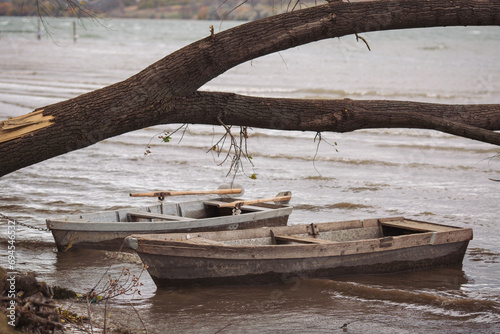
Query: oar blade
[
  {"x": 232, "y": 186},
  {"x": 284, "y": 194}
]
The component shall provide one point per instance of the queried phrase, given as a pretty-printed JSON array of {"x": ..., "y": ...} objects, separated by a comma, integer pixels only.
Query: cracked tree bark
[{"x": 166, "y": 91}]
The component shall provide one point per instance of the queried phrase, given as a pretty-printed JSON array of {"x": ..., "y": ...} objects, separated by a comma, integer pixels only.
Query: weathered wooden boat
[
  {"x": 323, "y": 250},
  {"x": 108, "y": 229}
]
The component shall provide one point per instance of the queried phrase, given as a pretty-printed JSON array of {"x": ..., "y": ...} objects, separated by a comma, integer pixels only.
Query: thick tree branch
[
  {"x": 322, "y": 115},
  {"x": 142, "y": 100},
  {"x": 470, "y": 121}
]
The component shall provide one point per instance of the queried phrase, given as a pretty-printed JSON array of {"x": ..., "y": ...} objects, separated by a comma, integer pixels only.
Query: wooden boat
[
  {"x": 271, "y": 255},
  {"x": 108, "y": 229}
]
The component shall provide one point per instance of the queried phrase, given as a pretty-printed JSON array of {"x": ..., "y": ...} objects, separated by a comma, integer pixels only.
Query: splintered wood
[{"x": 19, "y": 126}]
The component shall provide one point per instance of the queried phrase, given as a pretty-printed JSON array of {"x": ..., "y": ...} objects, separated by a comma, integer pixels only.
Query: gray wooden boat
[
  {"x": 271, "y": 255},
  {"x": 108, "y": 229}
]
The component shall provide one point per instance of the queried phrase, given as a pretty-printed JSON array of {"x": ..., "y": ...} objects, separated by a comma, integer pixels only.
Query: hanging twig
[
  {"x": 364, "y": 40},
  {"x": 165, "y": 136},
  {"x": 237, "y": 148},
  {"x": 140, "y": 318},
  {"x": 320, "y": 139}
]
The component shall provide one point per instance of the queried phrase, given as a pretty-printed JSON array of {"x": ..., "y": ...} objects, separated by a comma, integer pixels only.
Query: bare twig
[
  {"x": 237, "y": 150},
  {"x": 320, "y": 139},
  {"x": 89, "y": 311},
  {"x": 78, "y": 8},
  {"x": 125, "y": 284},
  {"x": 364, "y": 40},
  {"x": 232, "y": 10},
  {"x": 139, "y": 316},
  {"x": 165, "y": 136}
]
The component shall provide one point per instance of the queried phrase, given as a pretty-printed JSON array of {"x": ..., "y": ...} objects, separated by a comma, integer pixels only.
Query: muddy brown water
[{"x": 418, "y": 174}]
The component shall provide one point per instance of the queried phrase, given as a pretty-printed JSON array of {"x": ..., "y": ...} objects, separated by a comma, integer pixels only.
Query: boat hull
[
  {"x": 107, "y": 230},
  {"x": 354, "y": 247},
  {"x": 247, "y": 272},
  {"x": 114, "y": 240}
]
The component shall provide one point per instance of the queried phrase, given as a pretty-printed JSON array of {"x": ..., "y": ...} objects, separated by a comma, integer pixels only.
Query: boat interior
[
  {"x": 321, "y": 233},
  {"x": 183, "y": 211}
]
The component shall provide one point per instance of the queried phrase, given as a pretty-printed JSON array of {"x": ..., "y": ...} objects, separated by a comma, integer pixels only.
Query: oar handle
[
  {"x": 254, "y": 201},
  {"x": 187, "y": 192}
]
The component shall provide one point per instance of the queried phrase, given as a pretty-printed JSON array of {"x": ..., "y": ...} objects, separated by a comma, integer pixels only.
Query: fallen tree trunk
[{"x": 165, "y": 91}]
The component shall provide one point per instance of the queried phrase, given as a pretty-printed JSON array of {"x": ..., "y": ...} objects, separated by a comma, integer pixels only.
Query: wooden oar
[
  {"x": 187, "y": 192},
  {"x": 281, "y": 198}
]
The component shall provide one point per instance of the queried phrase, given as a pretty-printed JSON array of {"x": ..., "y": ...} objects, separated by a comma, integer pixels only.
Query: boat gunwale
[
  {"x": 330, "y": 226},
  {"x": 117, "y": 226},
  {"x": 193, "y": 243},
  {"x": 217, "y": 248}
]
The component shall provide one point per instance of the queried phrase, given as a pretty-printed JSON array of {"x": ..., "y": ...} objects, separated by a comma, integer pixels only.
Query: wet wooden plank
[
  {"x": 205, "y": 241},
  {"x": 419, "y": 226},
  {"x": 302, "y": 240},
  {"x": 149, "y": 215}
]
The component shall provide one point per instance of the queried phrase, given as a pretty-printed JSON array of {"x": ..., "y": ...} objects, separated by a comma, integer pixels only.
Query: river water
[{"x": 420, "y": 174}]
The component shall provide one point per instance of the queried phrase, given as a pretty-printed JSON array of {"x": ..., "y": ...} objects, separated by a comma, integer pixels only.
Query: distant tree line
[
  {"x": 59, "y": 8},
  {"x": 175, "y": 9}
]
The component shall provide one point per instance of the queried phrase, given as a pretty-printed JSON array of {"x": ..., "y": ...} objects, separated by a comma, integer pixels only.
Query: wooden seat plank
[
  {"x": 201, "y": 240},
  {"x": 418, "y": 226},
  {"x": 302, "y": 240},
  {"x": 150, "y": 215}
]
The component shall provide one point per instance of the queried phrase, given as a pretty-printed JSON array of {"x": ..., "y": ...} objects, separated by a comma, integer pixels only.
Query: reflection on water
[
  {"x": 322, "y": 305},
  {"x": 440, "y": 279}
]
